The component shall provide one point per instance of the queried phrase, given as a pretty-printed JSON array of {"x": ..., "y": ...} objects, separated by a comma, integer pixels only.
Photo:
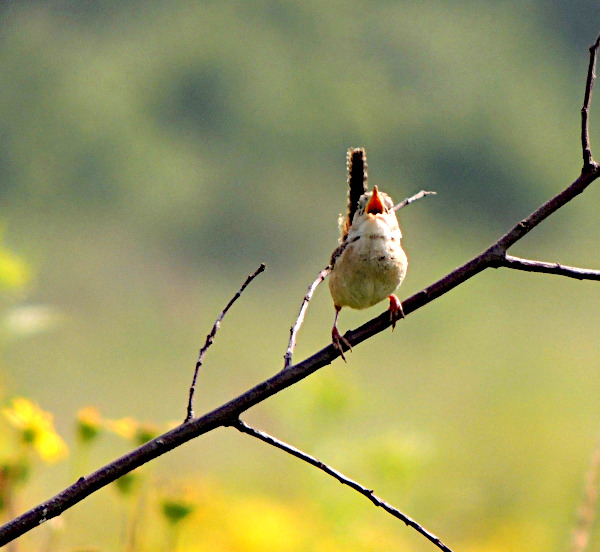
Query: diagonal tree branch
[
  {"x": 368, "y": 493},
  {"x": 226, "y": 414}
]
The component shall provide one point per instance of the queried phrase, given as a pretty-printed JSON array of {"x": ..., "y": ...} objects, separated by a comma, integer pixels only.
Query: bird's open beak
[{"x": 375, "y": 205}]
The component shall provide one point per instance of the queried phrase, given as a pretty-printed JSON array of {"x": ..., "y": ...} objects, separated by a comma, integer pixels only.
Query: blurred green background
[{"x": 152, "y": 154}]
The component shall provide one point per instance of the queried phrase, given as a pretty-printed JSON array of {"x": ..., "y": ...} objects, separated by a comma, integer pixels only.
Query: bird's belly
[{"x": 368, "y": 272}]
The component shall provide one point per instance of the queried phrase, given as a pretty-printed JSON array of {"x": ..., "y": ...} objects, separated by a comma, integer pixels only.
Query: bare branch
[
  {"x": 303, "y": 308},
  {"x": 412, "y": 199},
  {"x": 550, "y": 268},
  {"x": 588, "y": 162},
  {"x": 210, "y": 337},
  {"x": 368, "y": 493}
]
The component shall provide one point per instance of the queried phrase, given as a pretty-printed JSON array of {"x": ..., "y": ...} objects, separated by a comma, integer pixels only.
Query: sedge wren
[{"x": 369, "y": 264}]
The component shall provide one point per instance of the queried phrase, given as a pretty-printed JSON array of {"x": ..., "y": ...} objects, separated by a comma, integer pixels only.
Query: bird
[{"x": 369, "y": 262}]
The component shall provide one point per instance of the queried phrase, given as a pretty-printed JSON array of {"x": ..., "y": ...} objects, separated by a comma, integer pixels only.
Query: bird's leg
[
  {"x": 396, "y": 312},
  {"x": 336, "y": 338}
]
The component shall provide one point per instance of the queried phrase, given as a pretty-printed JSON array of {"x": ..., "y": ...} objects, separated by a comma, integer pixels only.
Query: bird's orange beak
[{"x": 375, "y": 205}]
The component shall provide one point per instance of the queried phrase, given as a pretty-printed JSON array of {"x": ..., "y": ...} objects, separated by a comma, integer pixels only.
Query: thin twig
[
  {"x": 368, "y": 493},
  {"x": 587, "y": 510},
  {"x": 227, "y": 413},
  {"x": 210, "y": 337},
  {"x": 412, "y": 199},
  {"x": 300, "y": 319},
  {"x": 588, "y": 161},
  {"x": 550, "y": 268}
]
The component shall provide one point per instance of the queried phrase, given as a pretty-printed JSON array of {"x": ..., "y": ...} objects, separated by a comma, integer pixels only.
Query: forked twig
[
  {"x": 287, "y": 358},
  {"x": 368, "y": 493},
  {"x": 210, "y": 337}
]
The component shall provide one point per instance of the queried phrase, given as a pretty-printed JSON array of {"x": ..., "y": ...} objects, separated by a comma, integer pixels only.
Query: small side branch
[
  {"x": 550, "y": 268},
  {"x": 368, "y": 493},
  {"x": 412, "y": 199},
  {"x": 588, "y": 162},
  {"x": 300, "y": 319},
  {"x": 210, "y": 337}
]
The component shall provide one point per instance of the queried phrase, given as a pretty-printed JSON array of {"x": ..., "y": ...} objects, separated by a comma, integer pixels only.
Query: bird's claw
[
  {"x": 337, "y": 339},
  {"x": 396, "y": 312}
]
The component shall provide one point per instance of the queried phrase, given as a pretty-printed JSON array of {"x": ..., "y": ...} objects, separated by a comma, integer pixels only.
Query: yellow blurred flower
[
  {"x": 133, "y": 430},
  {"x": 125, "y": 427},
  {"x": 89, "y": 424},
  {"x": 37, "y": 429},
  {"x": 265, "y": 525},
  {"x": 14, "y": 271}
]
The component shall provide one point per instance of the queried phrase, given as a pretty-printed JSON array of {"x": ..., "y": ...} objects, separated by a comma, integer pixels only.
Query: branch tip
[
  {"x": 412, "y": 199},
  {"x": 589, "y": 165}
]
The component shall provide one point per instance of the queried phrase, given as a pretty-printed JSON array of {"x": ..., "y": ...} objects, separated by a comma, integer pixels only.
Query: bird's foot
[
  {"x": 396, "y": 312},
  {"x": 337, "y": 339}
]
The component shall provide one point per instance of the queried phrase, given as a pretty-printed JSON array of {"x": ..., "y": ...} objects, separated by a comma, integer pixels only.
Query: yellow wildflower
[
  {"x": 89, "y": 424},
  {"x": 37, "y": 429},
  {"x": 125, "y": 427},
  {"x": 133, "y": 430},
  {"x": 14, "y": 271}
]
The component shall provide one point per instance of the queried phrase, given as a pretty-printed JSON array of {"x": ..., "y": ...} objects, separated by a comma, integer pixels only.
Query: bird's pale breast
[{"x": 370, "y": 267}]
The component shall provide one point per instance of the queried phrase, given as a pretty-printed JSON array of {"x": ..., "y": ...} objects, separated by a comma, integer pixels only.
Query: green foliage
[
  {"x": 176, "y": 510},
  {"x": 177, "y": 131}
]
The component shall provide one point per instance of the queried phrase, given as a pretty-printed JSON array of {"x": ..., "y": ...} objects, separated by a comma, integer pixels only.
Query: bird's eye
[{"x": 362, "y": 204}]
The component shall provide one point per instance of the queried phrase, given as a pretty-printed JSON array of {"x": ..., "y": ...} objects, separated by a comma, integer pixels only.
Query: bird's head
[
  {"x": 373, "y": 204},
  {"x": 375, "y": 209},
  {"x": 376, "y": 203}
]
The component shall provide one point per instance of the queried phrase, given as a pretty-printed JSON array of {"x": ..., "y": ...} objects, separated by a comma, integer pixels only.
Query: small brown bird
[{"x": 369, "y": 264}]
